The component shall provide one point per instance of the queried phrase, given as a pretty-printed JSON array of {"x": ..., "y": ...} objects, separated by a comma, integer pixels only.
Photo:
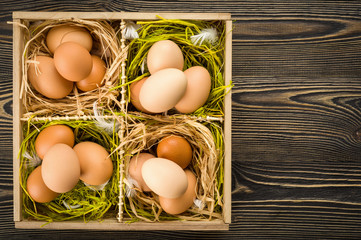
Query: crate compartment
[
  {"x": 206, "y": 141},
  {"x": 83, "y": 201},
  {"x": 106, "y": 45}
]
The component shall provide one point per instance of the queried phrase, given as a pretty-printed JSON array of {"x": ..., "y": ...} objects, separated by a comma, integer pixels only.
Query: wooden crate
[{"x": 113, "y": 224}]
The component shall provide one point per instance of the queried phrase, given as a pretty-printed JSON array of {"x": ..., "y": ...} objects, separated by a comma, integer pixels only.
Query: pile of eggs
[
  {"x": 166, "y": 174},
  {"x": 168, "y": 86},
  {"x": 72, "y": 62},
  {"x": 64, "y": 164}
]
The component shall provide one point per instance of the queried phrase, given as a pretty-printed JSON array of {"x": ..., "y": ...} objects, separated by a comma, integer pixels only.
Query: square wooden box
[{"x": 113, "y": 224}]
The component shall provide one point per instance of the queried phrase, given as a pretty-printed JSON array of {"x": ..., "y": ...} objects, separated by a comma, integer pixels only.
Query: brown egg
[
  {"x": 52, "y": 135},
  {"x": 184, "y": 202},
  {"x": 94, "y": 80},
  {"x": 73, "y": 61},
  {"x": 134, "y": 94},
  {"x": 164, "y": 177},
  {"x": 37, "y": 189},
  {"x": 60, "y": 169},
  {"x": 66, "y": 33},
  {"x": 95, "y": 164},
  {"x": 198, "y": 89},
  {"x": 135, "y": 169},
  {"x": 164, "y": 54},
  {"x": 176, "y": 149},
  {"x": 46, "y": 79}
]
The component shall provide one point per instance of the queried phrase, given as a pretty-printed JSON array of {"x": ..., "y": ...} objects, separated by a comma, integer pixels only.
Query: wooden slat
[
  {"x": 228, "y": 126},
  {"x": 113, "y": 225},
  {"x": 18, "y": 47},
  {"x": 120, "y": 15}
]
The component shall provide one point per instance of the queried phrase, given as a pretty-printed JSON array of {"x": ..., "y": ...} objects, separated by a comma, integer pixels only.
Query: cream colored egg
[
  {"x": 198, "y": 89},
  {"x": 164, "y": 54},
  {"x": 162, "y": 90},
  {"x": 165, "y": 177},
  {"x": 60, "y": 168}
]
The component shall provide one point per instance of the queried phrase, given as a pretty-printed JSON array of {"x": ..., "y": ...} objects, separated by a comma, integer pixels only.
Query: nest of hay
[
  {"x": 106, "y": 45},
  {"x": 206, "y": 140}
]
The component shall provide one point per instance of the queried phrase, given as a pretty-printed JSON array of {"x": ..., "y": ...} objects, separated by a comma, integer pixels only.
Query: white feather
[
  {"x": 199, "y": 204},
  {"x": 96, "y": 187},
  {"x": 130, "y": 31},
  {"x": 68, "y": 206},
  {"x": 142, "y": 67},
  {"x": 33, "y": 160},
  {"x": 130, "y": 185},
  {"x": 209, "y": 35},
  {"x": 108, "y": 126}
]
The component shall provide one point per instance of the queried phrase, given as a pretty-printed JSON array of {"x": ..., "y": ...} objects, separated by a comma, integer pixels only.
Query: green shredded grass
[
  {"x": 93, "y": 205},
  {"x": 206, "y": 55}
]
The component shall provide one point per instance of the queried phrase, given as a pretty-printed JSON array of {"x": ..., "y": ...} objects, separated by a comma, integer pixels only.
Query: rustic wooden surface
[{"x": 296, "y": 118}]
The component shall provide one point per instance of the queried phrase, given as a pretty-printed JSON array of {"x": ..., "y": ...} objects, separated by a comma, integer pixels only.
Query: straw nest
[
  {"x": 206, "y": 140},
  {"x": 82, "y": 202},
  {"x": 106, "y": 45}
]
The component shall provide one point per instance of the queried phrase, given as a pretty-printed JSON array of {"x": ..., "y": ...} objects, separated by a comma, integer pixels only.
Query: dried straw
[
  {"x": 106, "y": 45},
  {"x": 207, "y": 159}
]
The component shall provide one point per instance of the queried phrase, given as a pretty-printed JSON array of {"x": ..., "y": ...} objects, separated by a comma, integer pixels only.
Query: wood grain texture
[{"x": 296, "y": 139}]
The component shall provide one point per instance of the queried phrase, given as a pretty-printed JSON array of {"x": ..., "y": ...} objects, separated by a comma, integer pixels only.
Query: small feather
[
  {"x": 33, "y": 160},
  {"x": 199, "y": 204},
  {"x": 96, "y": 187},
  {"x": 130, "y": 31},
  {"x": 209, "y": 35},
  {"x": 70, "y": 207},
  {"x": 108, "y": 126}
]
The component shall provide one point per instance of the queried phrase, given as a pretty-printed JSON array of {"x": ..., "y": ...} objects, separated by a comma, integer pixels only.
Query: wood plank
[
  {"x": 18, "y": 47},
  {"x": 113, "y": 225},
  {"x": 228, "y": 127},
  {"x": 120, "y": 15}
]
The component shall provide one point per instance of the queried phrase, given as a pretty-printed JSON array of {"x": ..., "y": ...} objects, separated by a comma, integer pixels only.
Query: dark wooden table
[{"x": 296, "y": 117}]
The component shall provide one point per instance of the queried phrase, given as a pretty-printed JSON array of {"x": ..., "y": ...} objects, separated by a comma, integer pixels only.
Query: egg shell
[
  {"x": 184, "y": 202},
  {"x": 37, "y": 189},
  {"x": 73, "y": 61},
  {"x": 176, "y": 149},
  {"x": 162, "y": 90},
  {"x": 134, "y": 94},
  {"x": 198, "y": 89},
  {"x": 60, "y": 168},
  {"x": 94, "y": 79},
  {"x": 135, "y": 169},
  {"x": 44, "y": 77},
  {"x": 66, "y": 33},
  {"x": 95, "y": 164},
  {"x": 164, "y": 54},
  {"x": 165, "y": 177},
  {"x": 52, "y": 135}
]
